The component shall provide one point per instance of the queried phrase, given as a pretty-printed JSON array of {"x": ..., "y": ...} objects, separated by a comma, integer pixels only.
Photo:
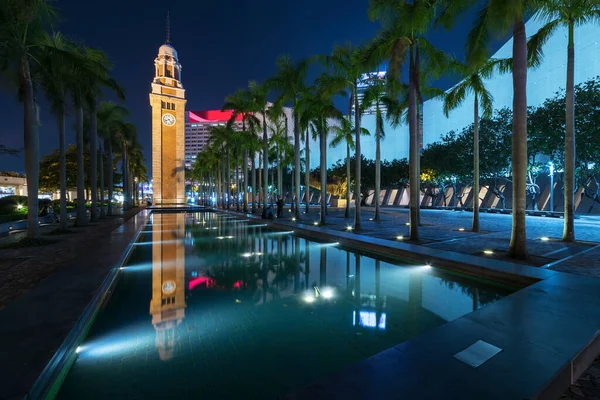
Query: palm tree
[
  {"x": 473, "y": 83},
  {"x": 242, "y": 103},
  {"x": 402, "y": 41},
  {"x": 111, "y": 116},
  {"x": 220, "y": 137},
  {"x": 58, "y": 60},
  {"x": 85, "y": 89},
  {"x": 568, "y": 13},
  {"x": 290, "y": 82},
  {"x": 344, "y": 133},
  {"x": 259, "y": 98},
  {"x": 347, "y": 62},
  {"x": 499, "y": 16},
  {"x": 318, "y": 102},
  {"x": 127, "y": 140},
  {"x": 22, "y": 27},
  {"x": 380, "y": 95}
]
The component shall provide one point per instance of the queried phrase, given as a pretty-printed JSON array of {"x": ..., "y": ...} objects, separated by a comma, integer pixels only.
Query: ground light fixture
[
  {"x": 544, "y": 238},
  {"x": 399, "y": 237},
  {"x": 19, "y": 206},
  {"x": 294, "y": 219},
  {"x": 488, "y": 252},
  {"x": 348, "y": 228},
  {"x": 315, "y": 223},
  {"x": 78, "y": 349},
  {"x": 407, "y": 224},
  {"x": 461, "y": 229}
]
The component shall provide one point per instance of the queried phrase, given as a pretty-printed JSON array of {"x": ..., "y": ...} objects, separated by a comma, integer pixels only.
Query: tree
[
  {"x": 242, "y": 103},
  {"x": 402, "y": 41},
  {"x": 111, "y": 118},
  {"x": 570, "y": 14},
  {"x": 318, "y": 102},
  {"x": 380, "y": 95},
  {"x": 259, "y": 98},
  {"x": 220, "y": 137},
  {"x": 473, "y": 83},
  {"x": 289, "y": 81},
  {"x": 347, "y": 62},
  {"x": 22, "y": 28},
  {"x": 59, "y": 60},
  {"x": 499, "y": 16},
  {"x": 344, "y": 134}
]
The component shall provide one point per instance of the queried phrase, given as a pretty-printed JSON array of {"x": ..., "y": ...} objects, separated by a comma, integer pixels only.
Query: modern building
[
  {"x": 542, "y": 83},
  {"x": 197, "y": 130},
  {"x": 167, "y": 99}
]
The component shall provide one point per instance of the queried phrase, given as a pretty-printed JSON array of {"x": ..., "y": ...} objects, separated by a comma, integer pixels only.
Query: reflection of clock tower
[
  {"x": 167, "y": 100},
  {"x": 167, "y": 305}
]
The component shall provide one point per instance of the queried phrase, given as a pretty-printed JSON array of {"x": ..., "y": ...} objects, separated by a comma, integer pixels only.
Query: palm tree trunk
[
  {"x": 347, "y": 212},
  {"x": 377, "y": 162},
  {"x": 93, "y": 165},
  {"x": 237, "y": 182},
  {"x": 63, "y": 171},
  {"x": 518, "y": 244},
  {"x": 307, "y": 174},
  {"x": 475, "y": 227},
  {"x": 272, "y": 183},
  {"x": 81, "y": 212},
  {"x": 569, "y": 176},
  {"x": 414, "y": 152},
  {"x": 265, "y": 162},
  {"x": 228, "y": 178},
  {"x": 219, "y": 186},
  {"x": 357, "y": 173},
  {"x": 296, "y": 160},
  {"x": 32, "y": 149},
  {"x": 109, "y": 172},
  {"x": 125, "y": 171},
  {"x": 323, "y": 171},
  {"x": 260, "y": 180},
  {"x": 245, "y": 170},
  {"x": 254, "y": 194},
  {"x": 101, "y": 169}
]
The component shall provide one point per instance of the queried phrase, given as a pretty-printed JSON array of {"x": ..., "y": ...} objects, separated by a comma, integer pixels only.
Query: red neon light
[
  {"x": 212, "y": 116},
  {"x": 201, "y": 280}
]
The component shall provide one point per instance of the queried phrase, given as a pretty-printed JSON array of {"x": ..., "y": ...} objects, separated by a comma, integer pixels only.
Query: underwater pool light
[
  {"x": 545, "y": 239},
  {"x": 488, "y": 252},
  {"x": 400, "y": 237},
  {"x": 327, "y": 293},
  {"x": 461, "y": 229}
]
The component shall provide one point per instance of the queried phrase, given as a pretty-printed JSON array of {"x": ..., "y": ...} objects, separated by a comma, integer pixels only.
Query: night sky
[{"x": 221, "y": 45}]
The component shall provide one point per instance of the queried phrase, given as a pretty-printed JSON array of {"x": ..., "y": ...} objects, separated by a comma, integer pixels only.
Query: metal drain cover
[{"x": 477, "y": 354}]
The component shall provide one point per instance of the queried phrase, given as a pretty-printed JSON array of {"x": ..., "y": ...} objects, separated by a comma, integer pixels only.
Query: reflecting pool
[{"x": 215, "y": 306}]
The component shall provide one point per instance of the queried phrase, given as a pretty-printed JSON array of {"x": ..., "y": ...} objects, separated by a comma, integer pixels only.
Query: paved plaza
[{"x": 450, "y": 231}]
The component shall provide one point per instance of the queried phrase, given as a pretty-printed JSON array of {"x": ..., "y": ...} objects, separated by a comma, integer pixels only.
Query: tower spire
[{"x": 168, "y": 28}]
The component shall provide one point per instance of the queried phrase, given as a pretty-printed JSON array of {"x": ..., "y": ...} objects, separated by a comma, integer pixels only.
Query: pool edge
[{"x": 48, "y": 383}]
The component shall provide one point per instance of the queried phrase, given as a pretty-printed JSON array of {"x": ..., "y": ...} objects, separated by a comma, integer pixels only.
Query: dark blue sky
[{"x": 221, "y": 45}]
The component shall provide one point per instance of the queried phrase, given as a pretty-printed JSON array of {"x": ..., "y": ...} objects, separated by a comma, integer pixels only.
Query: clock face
[
  {"x": 168, "y": 287},
  {"x": 168, "y": 119}
]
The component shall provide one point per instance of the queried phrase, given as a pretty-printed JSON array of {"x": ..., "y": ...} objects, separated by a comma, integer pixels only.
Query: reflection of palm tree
[{"x": 323, "y": 267}]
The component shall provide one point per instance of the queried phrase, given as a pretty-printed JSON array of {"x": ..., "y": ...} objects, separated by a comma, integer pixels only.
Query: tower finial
[{"x": 168, "y": 28}]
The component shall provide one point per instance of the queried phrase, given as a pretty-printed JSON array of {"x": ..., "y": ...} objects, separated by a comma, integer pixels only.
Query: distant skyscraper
[
  {"x": 197, "y": 130},
  {"x": 363, "y": 84}
]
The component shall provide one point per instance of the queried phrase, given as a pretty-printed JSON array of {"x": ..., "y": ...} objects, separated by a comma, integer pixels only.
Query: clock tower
[{"x": 167, "y": 99}]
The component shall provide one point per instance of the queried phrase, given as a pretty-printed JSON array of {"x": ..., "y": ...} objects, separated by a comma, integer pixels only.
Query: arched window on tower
[{"x": 168, "y": 73}]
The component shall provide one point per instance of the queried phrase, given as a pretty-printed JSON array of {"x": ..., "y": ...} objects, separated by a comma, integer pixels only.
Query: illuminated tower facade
[
  {"x": 167, "y": 305},
  {"x": 167, "y": 99}
]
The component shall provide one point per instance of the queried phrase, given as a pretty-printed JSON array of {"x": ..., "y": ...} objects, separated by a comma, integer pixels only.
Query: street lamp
[{"x": 551, "y": 165}]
